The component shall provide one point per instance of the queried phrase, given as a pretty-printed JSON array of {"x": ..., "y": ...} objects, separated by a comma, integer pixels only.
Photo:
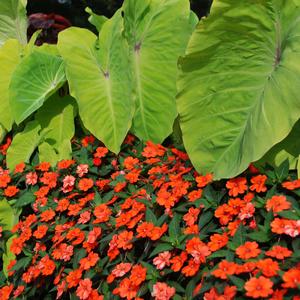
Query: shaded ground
[{"x": 74, "y": 9}]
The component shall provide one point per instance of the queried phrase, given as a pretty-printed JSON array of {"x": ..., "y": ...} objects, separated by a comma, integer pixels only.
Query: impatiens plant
[
  {"x": 145, "y": 225},
  {"x": 237, "y": 73}
]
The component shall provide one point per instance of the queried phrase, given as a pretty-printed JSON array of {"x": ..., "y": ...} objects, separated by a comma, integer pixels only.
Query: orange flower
[
  {"x": 277, "y": 204},
  {"x": 120, "y": 186},
  {"x": 16, "y": 246},
  {"x": 279, "y": 252},
  {"x": 73, "y": 278},
  {"x": 85, "y": 184},
  {"x": 224, "y": 214},
  {"x": 191, "y": 216},
  {"x": 100, "y": 152},
  {"x": 191, "y": 269},
  {"x": 248, "y": 250},
  {"x": 49, "y": 179},
  {"x": 46, "y": 265},
  {"x": 193, "y": 229},
  {"x": 246, "y": 267},
  {"x": 268, "y": 267},
  {"x": 47, "y": 215},
  {"x": 197, "y": 249},
  {"x": 133, "y": 176},
  {"x": 63, "y": 252},
  {"x": 138, "y": 274},
  {"x": 124, "y": 239},
  {"x": 291, "y": 185},
  {"x": 40, "y": 231},
  {"x": 194, "y": 195},
  {"x": 258, "y": 183},
  {"x": 144, "y": 229},
  {"x": 76, "y": 236},
  {"x": 43, "y": 166},
  {"x": 19, "y": 168},
  {"x": 87, "y": 140},
  {"x": 102, "y": 213},
  {"x": 259, "y": 287},
  {"x": 152, "y": 150},
  {"x": 62, "y": 205},
  {"x": 84, "y": 289},
  {"x": 278, "y": 225},
  {"x": 4, "y": 180},
  {"x": 126, "y": 289},
  {"x": 157, "y": 232},
  {"x": 130, "y": 162},
  {"x": 291, "y": 278},
  {"x": 178, "y": 261},
  {"x": 11, "y": 191},
  {"x": 6, "y": 291},
  {"x": 224, "y": 268},
  {"x": 65, "y": 164},
  {"x": 203, "y": 181},
  {"x": 237, "y": 186},
  {"x": 217, "y": 241},
  {"x": 90, "y": 261},
  {"x": 279, "y": 295}
]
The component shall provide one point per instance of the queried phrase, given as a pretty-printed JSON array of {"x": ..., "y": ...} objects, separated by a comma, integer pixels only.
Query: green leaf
[
  {"x": 298, "y": 167},
  {"x": 13, "y": 21},
  {"x": 3, "y": 133},
  {"x": 289, "y": 215},
  {"x": 23, "y": 145},
  {"x": 101, "y": 81},
  {"x": 57, "y": 118},
  {"x": 238, "y": 282},
  {"x": 95, "y": 19},
  {"x": 25, "y": 199},
  {"x": 174, "y": 227},
  {"x": 288, "y": 149},
  {"x": 10, "y": 56},
  {"x": 150, "y": 216},
  {"x": 283, "y": 170},
  {"x": 219, "y": 253},
  {"x": 239, "y": 74},
  {"x": 36, "y": 78},
  {"x": 260, "y": 236},
  {"x": 240, "y": 236},
  {"x": 8, "y": 218},
  {"x": 157, "y": 32},
  {"x": 22, "y": 263},
  {"x": 47, "y": 154},
  {"x": 204, "y": 218}
]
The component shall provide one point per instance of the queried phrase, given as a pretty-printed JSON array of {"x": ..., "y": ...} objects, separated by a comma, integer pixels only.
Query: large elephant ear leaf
[
  {"x": 98, "y": 73},
  {"x": 287, "y": 149},
  {"x": 13, "y": 21},
  {"x": 56, "y": 118},
  {"x": 157, "y": 33},
  {"x": 10, "y": 57},
  {"x": 36, "y": 78},
  {"x": 239, "y": 83},
  {"x": 23, "y": 145}
]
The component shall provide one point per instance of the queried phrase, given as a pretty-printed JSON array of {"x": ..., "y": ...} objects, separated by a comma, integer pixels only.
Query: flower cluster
[{"x": 145, "y": 225}]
